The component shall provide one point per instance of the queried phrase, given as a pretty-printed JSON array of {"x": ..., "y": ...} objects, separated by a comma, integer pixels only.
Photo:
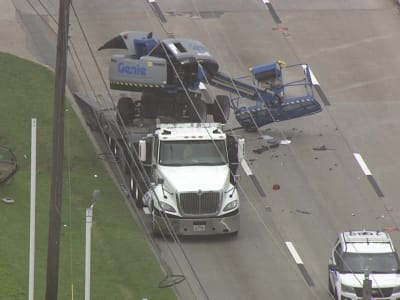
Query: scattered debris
[
  {"x": 303, "y": 212},
  {"x": 390, "y": 228},
  {"x": 265, "y": 148},
  {"x": 276, "y": 187},
  {"x": 322, "y": 148},
  {"x": 8, "y": 200},
  {"x": 267, "y": 137},
  {"x": 285, "y": 142}
]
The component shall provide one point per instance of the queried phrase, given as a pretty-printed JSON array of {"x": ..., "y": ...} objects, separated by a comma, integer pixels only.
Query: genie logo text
[{"x": 132, "y": 70}]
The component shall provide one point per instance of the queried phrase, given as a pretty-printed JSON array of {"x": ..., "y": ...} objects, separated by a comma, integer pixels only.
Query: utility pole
[{"x": 58, "y": 153}]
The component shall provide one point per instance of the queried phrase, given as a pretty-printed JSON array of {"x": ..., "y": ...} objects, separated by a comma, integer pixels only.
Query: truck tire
[
  {"x": 126, "y": 110},
  {"x": 155, "y": 229},
  {"x": 331, "y": 291},
  {"x": 112, "y": 144},
  {"x": 221, "y": 109},
  {"x": 135, "y": 192}
]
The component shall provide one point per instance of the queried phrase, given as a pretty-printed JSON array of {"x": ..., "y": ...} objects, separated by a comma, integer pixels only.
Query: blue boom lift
[{"x": 171, "y": 74}]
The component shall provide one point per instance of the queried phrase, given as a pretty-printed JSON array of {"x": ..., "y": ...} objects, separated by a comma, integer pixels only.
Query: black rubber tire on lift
[
  {"x": 221, "y": 109},
  {"x": 126, "y": 109}
]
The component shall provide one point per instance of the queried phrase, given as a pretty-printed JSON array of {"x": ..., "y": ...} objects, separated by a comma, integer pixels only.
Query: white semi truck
[
  {"x": 192, "y": 189},
  {"x": 183, "y": 172}
]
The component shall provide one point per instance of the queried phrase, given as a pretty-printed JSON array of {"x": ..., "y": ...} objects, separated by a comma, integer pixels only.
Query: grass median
[{"x": 123, "y": 265}]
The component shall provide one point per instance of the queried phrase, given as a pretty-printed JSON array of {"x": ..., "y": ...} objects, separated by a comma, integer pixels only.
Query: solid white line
[
  {"x": 294, "y": 253},
  {"x": 362, "y": 164},
  {"x": 246, "y": 167}
]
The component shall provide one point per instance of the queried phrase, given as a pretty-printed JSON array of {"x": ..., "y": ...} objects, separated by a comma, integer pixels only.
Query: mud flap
[
  {"x": 220, "y": 109},
  {"x": 198, "y": 112}
]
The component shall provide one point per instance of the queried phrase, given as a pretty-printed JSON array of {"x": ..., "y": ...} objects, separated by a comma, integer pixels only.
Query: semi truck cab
[{"x": 193, "y": 191}]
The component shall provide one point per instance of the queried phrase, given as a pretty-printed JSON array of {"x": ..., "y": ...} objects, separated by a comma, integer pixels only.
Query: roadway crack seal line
[
  {"x": 156, "y": 8},
  {"x": 299, "y": 263},
  {"x": 368, "y": 173},
  {"x": 253, "y": 178},
  {"x": 272, "y": 12}
]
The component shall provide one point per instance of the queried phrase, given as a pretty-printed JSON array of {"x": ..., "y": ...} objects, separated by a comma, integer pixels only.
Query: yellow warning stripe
[{"x": 141, "y": 85}]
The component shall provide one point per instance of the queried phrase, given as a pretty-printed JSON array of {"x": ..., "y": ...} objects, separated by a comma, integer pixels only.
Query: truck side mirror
[
  {"x": 240, "y": 148},
  {"x": 142, "y": 150}
]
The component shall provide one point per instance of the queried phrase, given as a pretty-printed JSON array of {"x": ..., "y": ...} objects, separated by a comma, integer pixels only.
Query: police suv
[{"x": 358, "y": 255}]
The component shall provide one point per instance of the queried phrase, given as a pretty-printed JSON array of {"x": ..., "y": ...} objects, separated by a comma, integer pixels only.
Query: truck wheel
[
  {"x": 126, "y": 110},
  {"x": 221, "y": 109},
  {"x": 330, "y": 285},
  {"x": 155, "y": 228},
  {"x": 135, "y": 192},
  {"x": 113, "y": 146}
]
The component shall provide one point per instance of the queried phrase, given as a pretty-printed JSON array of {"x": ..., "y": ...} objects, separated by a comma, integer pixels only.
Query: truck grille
[
  {"x": 376, "y": 293},
  {"x": 199, "y": 203}
]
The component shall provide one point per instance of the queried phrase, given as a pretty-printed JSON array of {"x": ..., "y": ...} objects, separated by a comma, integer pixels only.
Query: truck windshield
[
  {"x": 373, "y": 262},
  {"x": 201, "y": 152}
]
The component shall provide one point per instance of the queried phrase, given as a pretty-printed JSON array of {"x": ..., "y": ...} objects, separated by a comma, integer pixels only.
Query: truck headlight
[
  {"x": 348, "y": 289},
  {"x": 231, "y": 205},
  {"x": 166, "y": 207}
]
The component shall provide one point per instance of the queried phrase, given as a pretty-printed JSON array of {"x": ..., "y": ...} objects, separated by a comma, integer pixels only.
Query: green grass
[{"x": 123, "y": 265}]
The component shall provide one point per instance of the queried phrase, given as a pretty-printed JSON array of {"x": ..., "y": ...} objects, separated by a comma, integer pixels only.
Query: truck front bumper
[{"x": 201, "y": 226}]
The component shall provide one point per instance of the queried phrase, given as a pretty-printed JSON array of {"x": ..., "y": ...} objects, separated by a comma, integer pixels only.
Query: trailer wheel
[
  {"x": 221, "y": 109},
  {"x": 112, "y": 144}
]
